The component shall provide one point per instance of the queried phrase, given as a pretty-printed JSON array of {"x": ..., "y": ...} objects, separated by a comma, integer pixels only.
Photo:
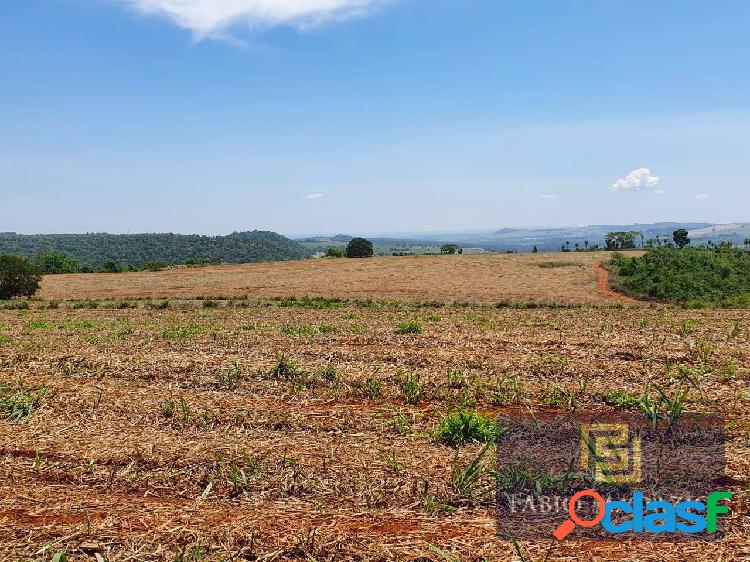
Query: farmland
[
  {"x": 485, "y": 279},
  {"x": 142, "y": 423}
]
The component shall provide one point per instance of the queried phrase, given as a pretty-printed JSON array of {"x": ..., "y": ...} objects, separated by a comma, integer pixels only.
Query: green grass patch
[
  {"x": 410, "y": 327},
  {"x": 464, "y": 426},
  {"x": 18, "y": 404}
]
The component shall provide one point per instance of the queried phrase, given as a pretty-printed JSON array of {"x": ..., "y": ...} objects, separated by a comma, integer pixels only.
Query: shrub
[
  {"x": 18, "y": 277},
  {"x": 466, "y": 426},
  {"x": 691, "y": 276},
  {"x": 359, "y": 248},
  {"x": 448, "y": 249},
  {"x": 334, "y": 252}
]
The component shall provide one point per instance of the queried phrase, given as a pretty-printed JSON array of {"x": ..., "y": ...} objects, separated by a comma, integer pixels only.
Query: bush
[
  {"x": 691, "y": 276},
  {"x": 334, "y": 252},
  {"x": 18, "y": 277},
  {"x": 359, "y": 248},
  {"x": 448, "y": 249},
  {"x": 55, "y": 263}
]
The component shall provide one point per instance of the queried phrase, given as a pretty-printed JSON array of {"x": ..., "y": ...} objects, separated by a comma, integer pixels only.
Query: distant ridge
[{"x": 92, "y": 250}]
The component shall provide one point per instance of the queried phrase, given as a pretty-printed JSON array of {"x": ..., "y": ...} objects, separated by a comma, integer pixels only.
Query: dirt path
[{"x": 604, "y": 286}]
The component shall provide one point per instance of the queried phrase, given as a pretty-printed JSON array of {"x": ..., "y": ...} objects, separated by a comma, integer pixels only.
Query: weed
[
  {"x": 664, "y": 406},
  {"x": 620, "y": 399},
  {"x": 410, "y": 327},
  {"x": 508, "y": 390},
  {"x": 285, "y": 369},
  {"x": 466, "y": 480},
  {"x": 329, "y": 374},
  {"x": 17, "y": 405},
  {"x": 210, "y": 304},
  {"x": 373, "y": 387},
  {"x": 231, "y": 378},
  {"x": 401, "y": 422},
  {"x": 390, "y": 459},
  {"x": 176, "y": 410},
  {"x": 412, "y": 387},
  {"x": 463, "y": 426}
]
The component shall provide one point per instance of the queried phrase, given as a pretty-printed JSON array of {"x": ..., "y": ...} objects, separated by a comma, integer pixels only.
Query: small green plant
[
  {"x": 464, "y": 426},
  {"x": 373, "y": 387},
  {"x": 175, "y": 409},
  {"x": 401, "y": 422},
  {"x": 410, "y": 327},
  {"x": 620, "y": 399},
  {"x": 285, "y": 369},
  {"x": 231, "y": 378},
  {"x": 329, "y": 374},
  {"x": 390, "y": 459},
  {"x": 508, "y": 390},
  {"x": 18, "y": 405},
  {"x": 664, "y": 406},
  {"x": 210, "y": 303},
  {"x": 411, "y": 386},
  {"x": 466, "y": 480}
]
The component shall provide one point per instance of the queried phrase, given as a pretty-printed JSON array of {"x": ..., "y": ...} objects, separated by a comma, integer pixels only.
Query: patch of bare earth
[{"x": 534, "y": 278}]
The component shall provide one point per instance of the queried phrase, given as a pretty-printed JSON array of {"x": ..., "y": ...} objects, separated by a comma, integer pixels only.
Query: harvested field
[
  {"x": 488, "y": 279},
  {"x": 254, "y": 429}
]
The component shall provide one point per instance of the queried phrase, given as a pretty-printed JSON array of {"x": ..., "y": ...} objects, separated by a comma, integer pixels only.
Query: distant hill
[
  {"x": 93, "y": 250},
  {"x": 551, "y": 239}
]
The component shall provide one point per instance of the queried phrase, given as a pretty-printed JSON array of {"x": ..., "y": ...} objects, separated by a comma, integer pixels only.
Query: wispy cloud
[
  {"x": 313, "y": 196},
  {"x": 638, "y": 180},
  {"x": 702, "y": 196},
  {"x": 213, "y": 18},
  {"x": 548, "y": 196}
]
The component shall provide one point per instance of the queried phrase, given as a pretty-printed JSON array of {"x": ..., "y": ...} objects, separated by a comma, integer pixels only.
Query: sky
[{"x": 371, "y": 116}]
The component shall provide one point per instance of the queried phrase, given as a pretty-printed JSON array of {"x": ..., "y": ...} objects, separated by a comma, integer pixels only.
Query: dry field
[
  {"x": 484, "y": 279},
  {"x": 170, "y": 431}
]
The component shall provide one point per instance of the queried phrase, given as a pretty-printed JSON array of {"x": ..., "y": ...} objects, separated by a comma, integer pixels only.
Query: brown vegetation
[{"x": 178, "y": 430}]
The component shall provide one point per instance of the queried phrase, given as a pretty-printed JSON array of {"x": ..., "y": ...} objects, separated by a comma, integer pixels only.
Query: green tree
[
  {"x": 621, "y": 240},
  {"x": 535, "y": 250},
  {"x": 18, "y": 277},
  {"x": 359, "y": 248},
  {"x": 334, "y": 252},
  {"x": 54, "y": 262},
  {"x": 680, "y": 238},
  {"x": 111, "y": 266},
  {"x": 448, "y": 249}
]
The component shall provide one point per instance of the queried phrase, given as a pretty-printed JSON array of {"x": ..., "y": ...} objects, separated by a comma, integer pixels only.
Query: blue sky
[{"x": 367, "y": 116}]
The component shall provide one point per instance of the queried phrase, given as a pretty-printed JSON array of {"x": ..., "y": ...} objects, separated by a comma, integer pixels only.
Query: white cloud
[
  {"x": 702, "y": 196},
  {"x": 548, "y": 196},
  {"x": 638, "y": 180},
  {"x": 212, "y": 18},
  {"x": 313, "y": 196}
]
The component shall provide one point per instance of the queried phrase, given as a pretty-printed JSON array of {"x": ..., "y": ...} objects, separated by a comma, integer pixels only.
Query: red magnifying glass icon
[{"x": 566, "y": 528}]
